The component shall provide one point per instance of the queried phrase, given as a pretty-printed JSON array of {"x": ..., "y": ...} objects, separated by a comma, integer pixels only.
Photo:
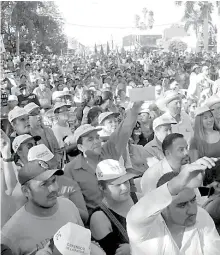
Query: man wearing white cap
[
  {"x": 172, "y": 105},
  {"x": 12, "y": 102},
  {"x": 61, "y": 129},
  {"x": 144, "y": 118},
  {"x": 214, "y": 104},
  {"x": 31, "y": 227},
  {"x": 19, "y": 120},
  {"x": 109, "y": 123},
  {"x": 82, "y": 168},
  {"x": 38, "y": 129},
  {"x": 162, "y": 128}
]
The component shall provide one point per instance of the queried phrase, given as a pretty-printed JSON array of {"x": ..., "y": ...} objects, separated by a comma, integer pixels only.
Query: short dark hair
[
  {"x": 166, "y": 178},
  {"x": 168, "y": 140},
  {"x": 93, "y": 113}
]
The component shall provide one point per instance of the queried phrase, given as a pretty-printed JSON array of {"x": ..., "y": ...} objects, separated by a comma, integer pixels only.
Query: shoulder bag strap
[{"x": 115, "y": 221}]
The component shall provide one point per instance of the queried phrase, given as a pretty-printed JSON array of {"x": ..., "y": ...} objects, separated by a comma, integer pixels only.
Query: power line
[{"x": 104, "y": 27}]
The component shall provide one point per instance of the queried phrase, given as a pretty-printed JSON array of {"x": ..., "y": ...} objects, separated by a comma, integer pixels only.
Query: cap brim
[
  {"x": 47, "y": 174},
  {"x": 91, "y": 130},
  {"x": 123, "y": 178},
  {"x": 200, "y": 113},
  {"x": 116, "y": 114}
]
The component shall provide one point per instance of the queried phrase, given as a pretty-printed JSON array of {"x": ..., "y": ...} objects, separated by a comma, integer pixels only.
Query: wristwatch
[{"x": 8, "y": 159}]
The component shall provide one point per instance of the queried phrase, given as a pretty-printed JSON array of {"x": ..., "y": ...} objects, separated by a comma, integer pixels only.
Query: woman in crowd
[
  {"x": 206, "y": 140},
  {"x": 108, "y": 221}
]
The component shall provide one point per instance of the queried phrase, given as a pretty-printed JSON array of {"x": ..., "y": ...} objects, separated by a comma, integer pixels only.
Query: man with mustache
[
  {"x": 31, "y": 227},
  {"x": 175, "y": 150}
]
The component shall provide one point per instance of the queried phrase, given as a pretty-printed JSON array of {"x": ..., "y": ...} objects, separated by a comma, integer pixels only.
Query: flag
[
  {"x": 95, "y": 49},
  {"x": 108, "y": 49},
  {"x": 2, "y": 46},
  {"x": 101, "y": 50},
  {"x": 118, "y": 58}
]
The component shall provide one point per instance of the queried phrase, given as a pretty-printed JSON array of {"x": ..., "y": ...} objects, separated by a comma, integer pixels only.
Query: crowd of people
[{"x": 86, "y": 170}]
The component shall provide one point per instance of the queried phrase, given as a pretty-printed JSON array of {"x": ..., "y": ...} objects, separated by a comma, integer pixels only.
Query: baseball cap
[
  {"x": 59, "y": 105},
  {"x": 72, "y": 239},
  {"x": 111, "y": 169},
  {"x": 212, "y": 101},
  {"x": 201, "y": 110},
  {"x": 145, "y": 108},
  {"x": 37, "y": 170},
  {"x": 21, "y": 139},
  {"x": 162, "y": 120},
  {"x": 40, "y": 152},
  {"x": 16, "y": 112},
  {"x": 105, "y": 115},
  {"x": 30, "y": 107},
  {"x": 84, "y": 130},
  {"x": 12, "y": 98}
]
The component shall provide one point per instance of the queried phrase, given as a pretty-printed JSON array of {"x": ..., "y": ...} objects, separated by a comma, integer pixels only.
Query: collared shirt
[
  {"x": 83, "y": 169},
  {"x": 149, "y": 234},
  {"x": 183, "y": 127},
  {"x": 154, "y": 150},
  {"x": 153, "y": 174}
]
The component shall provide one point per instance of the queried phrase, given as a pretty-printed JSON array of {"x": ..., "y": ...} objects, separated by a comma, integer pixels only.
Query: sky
[{"x": 113, "y": 13}]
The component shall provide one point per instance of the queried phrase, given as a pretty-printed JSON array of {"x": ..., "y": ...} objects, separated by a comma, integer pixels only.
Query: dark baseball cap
[{"x": 37, "y": 170}]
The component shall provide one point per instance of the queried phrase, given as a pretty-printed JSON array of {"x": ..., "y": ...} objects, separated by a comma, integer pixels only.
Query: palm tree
[
  {"x": 197, "y": 15},
  {"x": 145, "y": 11},
  {"x": 137, "y": 20}
]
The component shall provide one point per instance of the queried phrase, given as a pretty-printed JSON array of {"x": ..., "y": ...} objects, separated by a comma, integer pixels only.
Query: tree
[
  {"x": 34, "y": 22},
  {"x": 137, "y": 20},
  {"x": 177, "y": 46},
  {"x": 197, "y": 15},
  {"x": 146, "y": 22}
]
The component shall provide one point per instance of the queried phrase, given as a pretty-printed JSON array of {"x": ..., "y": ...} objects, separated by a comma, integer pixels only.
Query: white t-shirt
[{"x": 26, "y": 233}]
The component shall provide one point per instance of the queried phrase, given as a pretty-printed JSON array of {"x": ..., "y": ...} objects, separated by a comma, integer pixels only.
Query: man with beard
[
  {"x": 175, "y": 150},
  {"x": 31, "y": 227}
]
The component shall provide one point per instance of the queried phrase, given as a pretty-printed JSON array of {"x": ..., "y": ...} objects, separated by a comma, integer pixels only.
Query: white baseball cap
[
  {"x": 162, "y": 120},
  {"x": 105, "y": 115},
  {"x": 21, "y": 139},
  {"x": 145, "y": 108},
  {"x": 111, "y": 169},
  {"x": 16, "y": 112},
  {"x": 40, "y": 152},
  {"x": 72, "y": 239},
  {"x": 30, "y": 107},
  {"x": 12, "y": 98},
  {"x": 84, "y": 130}
]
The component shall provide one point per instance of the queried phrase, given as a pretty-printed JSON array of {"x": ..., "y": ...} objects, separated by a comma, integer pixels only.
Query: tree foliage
[
  {"x": 177, "y": 46},
  {"x": 39, "y": 23},
  {"x": 146, "y": 21}
]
